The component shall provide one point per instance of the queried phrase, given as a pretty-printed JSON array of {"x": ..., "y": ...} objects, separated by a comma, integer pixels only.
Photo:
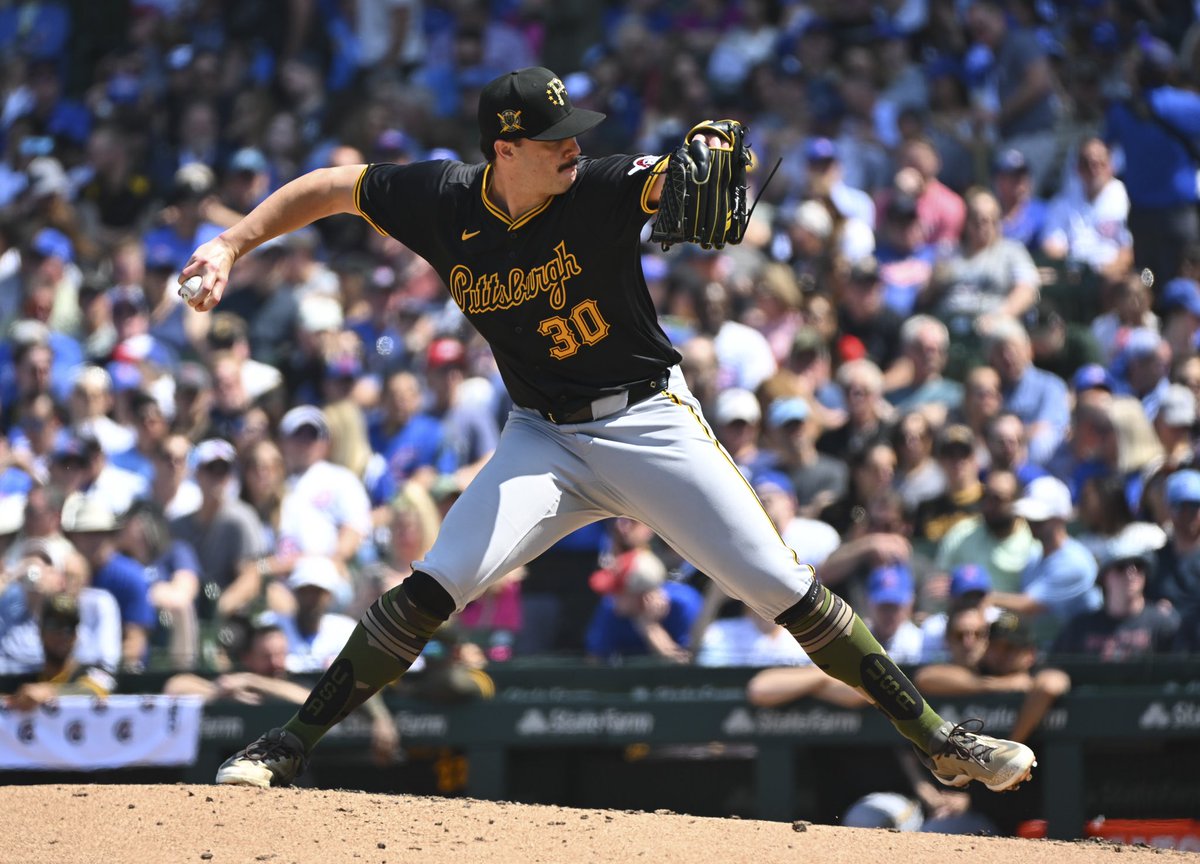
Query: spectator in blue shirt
[
  {"x": 641, "y": 613},
  {"x": 1008, "y": 447},
  {"x": 1141, "y": 369},
  {"x": 1023, "y": 215},
  {"x": 1038, "y": 397},
  {"x": 151, "y": 428},
  {"x": 1060, "y": 583},
  {"x": 905, "y": 259},
  {"x": 192, "y": 185},
  {"x": 92, "y": 528},
  {"x": 409, "y": 444},
  {"x": 1019, "y": 88},
  {"x": 1156, "y": 128}
]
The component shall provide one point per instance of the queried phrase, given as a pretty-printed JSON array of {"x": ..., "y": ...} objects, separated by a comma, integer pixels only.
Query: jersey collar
[{"x": 512, "y": 224}]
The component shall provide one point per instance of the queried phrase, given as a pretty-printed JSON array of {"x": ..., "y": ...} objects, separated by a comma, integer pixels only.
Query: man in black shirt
[
  {"x": 540, "y": 248},
  {"x": 1126, "y": 627}
]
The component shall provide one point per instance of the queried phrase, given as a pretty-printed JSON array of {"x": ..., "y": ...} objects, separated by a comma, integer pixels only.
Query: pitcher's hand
[{"x": 212, "y": 262}]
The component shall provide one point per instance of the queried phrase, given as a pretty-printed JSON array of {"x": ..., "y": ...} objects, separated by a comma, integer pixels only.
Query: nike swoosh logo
[{"x": 467, "y": 235}]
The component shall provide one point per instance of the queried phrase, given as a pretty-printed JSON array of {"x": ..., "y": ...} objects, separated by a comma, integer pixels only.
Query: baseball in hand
[{"x": 189, "y": 289}]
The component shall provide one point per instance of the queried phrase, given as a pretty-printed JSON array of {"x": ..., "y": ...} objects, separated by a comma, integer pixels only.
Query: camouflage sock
[
  {"x": 840, "y": 644},
  {"x": 387, "y": 640}
]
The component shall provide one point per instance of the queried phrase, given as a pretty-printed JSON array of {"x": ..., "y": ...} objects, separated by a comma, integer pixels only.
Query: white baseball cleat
[
  {"x": 968, "y": 755},
  {"x": 273, "y": 760}
]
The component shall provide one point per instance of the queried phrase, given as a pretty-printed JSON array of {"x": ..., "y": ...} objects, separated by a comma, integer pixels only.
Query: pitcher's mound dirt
[{"x": 93, "y": 824}]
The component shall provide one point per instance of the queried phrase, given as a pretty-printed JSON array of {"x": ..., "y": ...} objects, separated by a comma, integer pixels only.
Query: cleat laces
[{"x": 963, "y": 743}]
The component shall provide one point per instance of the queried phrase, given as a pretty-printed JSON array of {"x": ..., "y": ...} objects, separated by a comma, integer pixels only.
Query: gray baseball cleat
[
  {"x": 273, "y": 760},
  {"x": 967, "y": 755}
]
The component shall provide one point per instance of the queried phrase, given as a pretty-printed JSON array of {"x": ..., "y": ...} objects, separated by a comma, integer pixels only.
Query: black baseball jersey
[{"x": 558, "y": 293}]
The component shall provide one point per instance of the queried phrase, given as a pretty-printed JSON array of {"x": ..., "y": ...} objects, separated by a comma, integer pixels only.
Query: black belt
[{"x": 577, "y": 411}]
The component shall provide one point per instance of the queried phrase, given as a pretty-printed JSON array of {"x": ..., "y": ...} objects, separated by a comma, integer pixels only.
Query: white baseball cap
[
  {"x": 316, "y": 571},
  {"x": 737, "y": 404},
  {"x": 215, "y": 450},
  {"x": 12, "y": 514},
  {"x": 1044, "y": 498},
  {"x": 301, "y": 416},
  {"x": 87, "y": 514}
]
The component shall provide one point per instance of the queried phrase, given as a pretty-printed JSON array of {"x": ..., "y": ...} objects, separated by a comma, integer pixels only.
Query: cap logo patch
[
  {"x": 510, "y": 120},
  {"x": 556, "y": 91}
]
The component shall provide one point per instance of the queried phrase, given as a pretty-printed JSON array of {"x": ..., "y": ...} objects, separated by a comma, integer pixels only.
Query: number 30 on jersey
[{"x": 583, "y": 325}]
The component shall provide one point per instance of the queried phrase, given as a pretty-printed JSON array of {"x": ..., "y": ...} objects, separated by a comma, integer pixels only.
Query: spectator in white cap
[
  {"x": 1060, "y": 582},
  {"x": 314, "y": 634},
  {"x": 92, "y": 527},
  {"x": 1175, "y": 421},
  {"x": 326, "y": 510},
  {"x": 737, "y": 419},
  {"x": 225, "y": 532},
  {"x": 1127, "y": 627}
]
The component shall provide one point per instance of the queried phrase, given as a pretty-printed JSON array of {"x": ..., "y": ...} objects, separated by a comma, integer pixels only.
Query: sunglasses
[
  {"x": 961, "y": 635},
  {"x": 57, "y": 625}
]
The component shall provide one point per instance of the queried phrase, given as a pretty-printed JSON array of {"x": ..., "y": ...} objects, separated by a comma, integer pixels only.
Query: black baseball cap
[{"x": 530, "y": 103}]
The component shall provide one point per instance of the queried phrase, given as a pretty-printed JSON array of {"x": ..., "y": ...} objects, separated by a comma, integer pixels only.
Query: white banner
[{"x": 83, "y": 733}]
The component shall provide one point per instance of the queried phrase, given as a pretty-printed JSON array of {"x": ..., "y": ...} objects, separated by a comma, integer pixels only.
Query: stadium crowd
[{"x": 956, "y": 355}]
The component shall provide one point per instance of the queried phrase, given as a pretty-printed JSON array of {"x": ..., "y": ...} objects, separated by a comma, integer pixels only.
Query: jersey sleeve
[
  {"x": 622, "y": 184},
  {"x": 396, "y": 199}
]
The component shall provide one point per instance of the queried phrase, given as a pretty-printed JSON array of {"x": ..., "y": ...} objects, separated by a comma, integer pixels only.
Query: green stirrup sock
[
  {"x": 388, "y": 639},
  {"x": 840, "y": 644}
]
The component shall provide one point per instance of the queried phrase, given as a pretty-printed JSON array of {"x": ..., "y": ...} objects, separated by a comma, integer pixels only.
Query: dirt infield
[{"x": 93, "y": 824}]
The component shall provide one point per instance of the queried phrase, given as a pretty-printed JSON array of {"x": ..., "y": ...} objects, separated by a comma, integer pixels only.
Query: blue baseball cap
[
  {"x": 1011, "y": 161},
  {"x": 891, "y": 584},
  {"x": 773, "y": 481},
  {"x": 343, "y": 366},
  {"x": 1181, "y": 293},
  {"x": 1140, "y": 342},
  {"x": 393, "y": 141},
  {"x": 654, "y": 267},
  {"x": 1183, "y": 487},
  {"x": 160, "y": 256},
  {"x": 249, "y": 159},
  {"x": 783, "y": 411},
  {"x": 819, "y": 149},
  {"x": 969, "y": 577},
  {"x": 52, "y": 243},
  {"x": 1092, "y": 376},
  {"x": 125, "y": 376}
]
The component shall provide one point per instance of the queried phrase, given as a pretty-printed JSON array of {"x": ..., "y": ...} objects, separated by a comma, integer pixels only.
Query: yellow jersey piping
[
  {"x": 513, "y": 224},
  {"x": 659, "y": 167},
  {"x": 708, "y": 433},
  {"x": 358, "y": 206}
]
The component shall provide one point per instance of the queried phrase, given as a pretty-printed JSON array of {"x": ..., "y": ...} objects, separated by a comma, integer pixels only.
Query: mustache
[{"x": 569, "y": 164}]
